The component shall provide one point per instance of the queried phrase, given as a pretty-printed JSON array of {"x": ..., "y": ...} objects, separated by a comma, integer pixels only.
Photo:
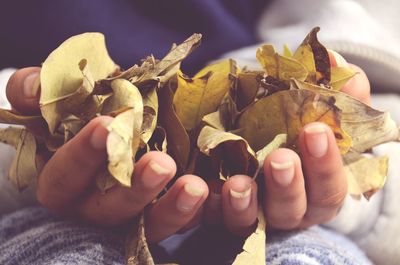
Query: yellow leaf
[
  {"x": 286, "y": 51},
  {"x": 197, "y": 97},
  {"x": 278, "y": 66},
  {"x": 124, "y": 137},
  {"x": 340, "y": 76},
  {"x": 287, "y": 112},
  {"x": 23, "y": 168},
  {"x": 60, "y": 75},
  {"x": 366, "y": 126},
  {"x": 230, "y": 153},
  {"x": 254, "y": 247},
  {"x": 365, "y": 175}
]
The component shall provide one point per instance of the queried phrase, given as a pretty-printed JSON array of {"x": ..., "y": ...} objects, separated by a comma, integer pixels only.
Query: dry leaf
[
  {"x": 230, "y": 153},
  {"x": 124, "y": 137},
  {"x": 254, "y": 246},
  {"x": 278, "y": 66},
  {"x": 202, "y": 94},
  {"x": 150, "y": 113},
  {"x": 136, "y": 249},
  {"x": 23, "y": 168},
  {"x": 177, "y": 137},
  {"x": 60, "y": 75},
  {"x": 365, "y": 175},
  {"x": 287, "y": 112},
  {"x": 366, "y": 126},
  {"x": 279, "y": 141},
  {"x": 340, "y": 76}
]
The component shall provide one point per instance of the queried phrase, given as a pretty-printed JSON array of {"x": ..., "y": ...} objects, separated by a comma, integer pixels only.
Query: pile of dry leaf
[{"x": 221, "y": 122}]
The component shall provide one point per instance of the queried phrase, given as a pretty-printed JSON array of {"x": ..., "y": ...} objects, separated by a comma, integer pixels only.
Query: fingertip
[
  {"x": 23, "y": 90},
  {"x": 162, "y": 160}
]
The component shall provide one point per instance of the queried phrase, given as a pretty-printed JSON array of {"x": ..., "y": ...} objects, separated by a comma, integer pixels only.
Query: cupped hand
[
  {"x": 66, "y": 182},
  {"x": 300, "y": 190}
]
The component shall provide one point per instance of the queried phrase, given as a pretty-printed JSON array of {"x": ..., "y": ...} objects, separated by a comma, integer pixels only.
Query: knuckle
[{"x": 332, "y": 200}]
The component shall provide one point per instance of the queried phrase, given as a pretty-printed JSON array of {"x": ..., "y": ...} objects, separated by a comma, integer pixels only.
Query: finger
[
  {"x": 152, "y": 173},
  {"x": 239, "y": 204},
  {"x": 176, "y": 208},
  {"x": 358, "y": 86},
  {"x": 213, "y": 205},
  {"x": 72, "y": 168},
  {"x": 326, "y": 182},
  {"x": 23, "y": 90},
  {"x": 285, "y": 201}
]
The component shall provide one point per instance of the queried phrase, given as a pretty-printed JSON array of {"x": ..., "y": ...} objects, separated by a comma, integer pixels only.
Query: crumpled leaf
[
  {"x": 365, "y": 175},
  {"x": 248, "y": 85},
  {"x": 136, "y": 249},
  {"x": 314, "y": 56},
  {"x": 150, "y": 113},
  {"x": 23, "y": 168},
  {"x": 287, "y": 112},
  {"x": 278, "y": 66},
  {"x": 124, "y": 137},
  {"x": 60, "y": 75},
  {"x": 230, "y": 153},
  {"x": 254, "y": 246},
  {"x": 340, "y": 76},
  {"x": 202, "y": 94},
  {"x": 177, "y": 137},
  {"x": 366, "y": 126},
  {"x": 279, "y": 141}
]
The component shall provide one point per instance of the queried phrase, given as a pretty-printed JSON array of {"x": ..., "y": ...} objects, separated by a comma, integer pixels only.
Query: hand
[
  {"x": 300, "y": 191},
  {"x": 66, "y": 182}
]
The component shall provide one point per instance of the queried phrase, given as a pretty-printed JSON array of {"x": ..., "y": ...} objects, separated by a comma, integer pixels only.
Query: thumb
[{"x": 23, "y": 90}]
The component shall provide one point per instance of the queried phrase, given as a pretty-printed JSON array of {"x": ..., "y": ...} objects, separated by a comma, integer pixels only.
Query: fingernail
[
  {"x": 154, "y": 174},
  {"x": 282, "y": 173},
  {"x": 188, "y": 197},
  {"x": 31, "y": 85},
  {"x": 316, "y": 140},
  {"x": 240, "y": 200},
  {"x": 98, "y": 139},
  {"x": 339, "y": 60}
]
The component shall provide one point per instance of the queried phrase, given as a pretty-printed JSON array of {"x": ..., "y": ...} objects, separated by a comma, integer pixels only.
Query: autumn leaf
[
  {"x": 340, "y": 76},
  {"x": 286, "y": 112},
  {"x": 60, "y": 75},
  {"x": 229, "y": 152},
  {"x": 278, "y": 66},
  {"x": 124, "y": 131},
  {"x": 254, "y": 246},
  {"x": 23, "y": 169},
  {"x": 195, "y": 97},
  {"x": 365, "y": 175}
]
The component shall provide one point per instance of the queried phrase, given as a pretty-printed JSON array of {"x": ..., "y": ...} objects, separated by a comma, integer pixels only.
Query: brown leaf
[
  {"x": 365, "y": 175},
  {"x": 136, "y": 249},
  {"x": 287, "y": 112},
  {"x": 124, "y": 137},
  {"x": 150, "y": 113},
  {"x": 23, "y": 168},
  {"x": 254, "y": 246},
  {"x": 229, "y": 152},
  {"x": 177, "y": 137}
]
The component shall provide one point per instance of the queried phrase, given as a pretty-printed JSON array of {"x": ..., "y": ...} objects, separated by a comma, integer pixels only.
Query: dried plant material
[
  {"x": 9, "y": 117},
  {"x": 150, "y": 113},
  {"x": 279, "y": 141},
  {"x": 248, "y": 85},
  {"x": 202, "y": 94},
  {"x": 60, "y": 75},
  {"x": 366, "y": 126},
  {"x": 254, "y": 246},
  {"x": 23, "y": 168},
  {"x": 287, "y": 112},
  {"x": 230, "y": 153},
  {"x": 136, "y": 249},
  {"x": 177, "y": 137},
  {"x": 286, "y": 51},
  {"x": 340, "y": 76},
  {"x": 315, "y": 58},
  {"x": 278, "y": 66},
  {"x": 124, "y": 137},
  {"x": 365, "y": 175}
]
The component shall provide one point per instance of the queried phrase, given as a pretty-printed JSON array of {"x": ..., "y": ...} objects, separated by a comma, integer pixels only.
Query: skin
[{"x": 300, "y": 190}]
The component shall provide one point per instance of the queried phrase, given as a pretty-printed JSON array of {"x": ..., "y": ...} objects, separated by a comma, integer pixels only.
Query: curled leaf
[
  {"x": 340, "y": 76},
  {"x": 124, "y": 137}
]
